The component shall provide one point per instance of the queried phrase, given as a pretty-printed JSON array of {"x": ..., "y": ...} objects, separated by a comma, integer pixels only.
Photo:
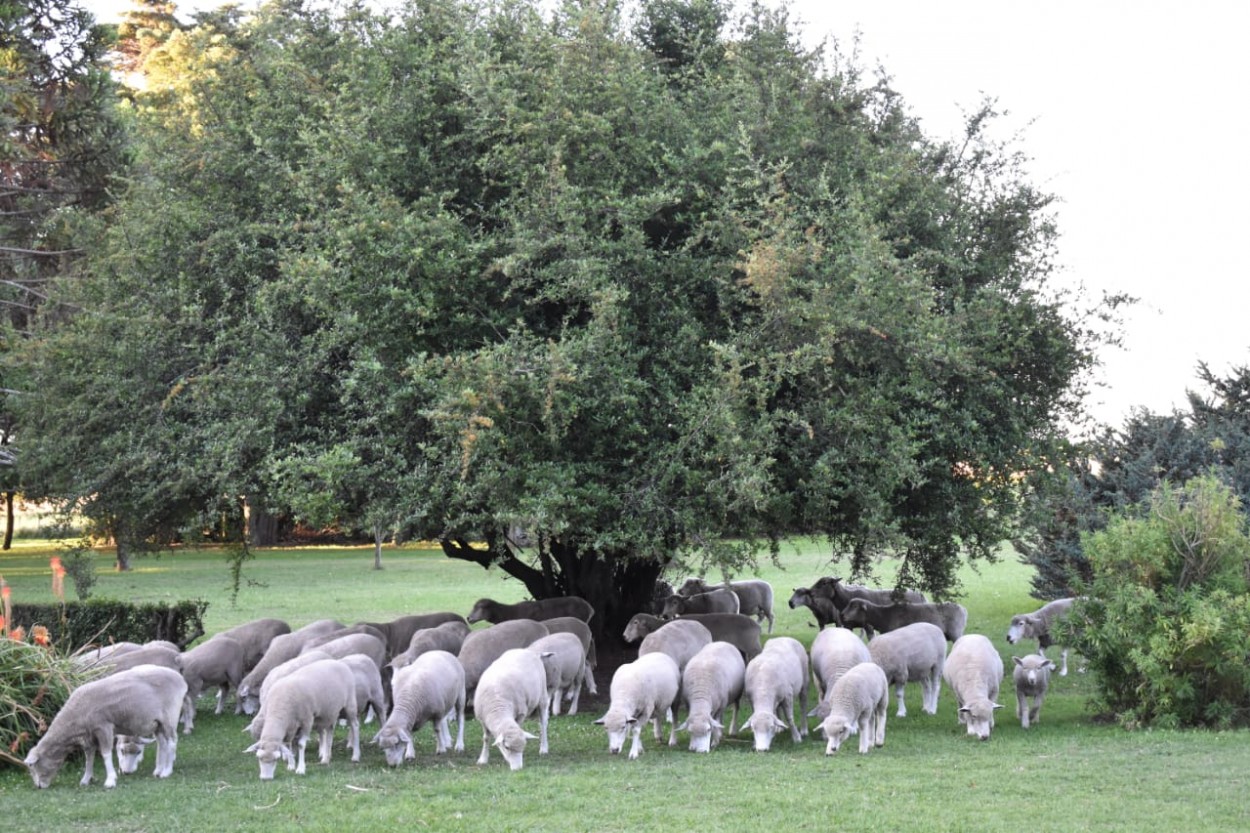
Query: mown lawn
[{"x": 1070, "y": 773}]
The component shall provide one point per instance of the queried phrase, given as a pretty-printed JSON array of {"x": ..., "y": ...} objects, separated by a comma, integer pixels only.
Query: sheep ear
[
  {"x": 996, "y": 705},
  {"x": 599, "y": 722},
  {"x": 781, "y": 724},
  {"x": 528, "y": 736},
  {"x": 682, "y": 727},
  {"x": 251, "y": 748},
  {"x": 1017, "y": 661},
  {"x": 1050, "y": 665}
]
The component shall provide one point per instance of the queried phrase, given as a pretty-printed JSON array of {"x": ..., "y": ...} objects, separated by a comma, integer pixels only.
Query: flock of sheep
[{"x": 702, "y": 650}]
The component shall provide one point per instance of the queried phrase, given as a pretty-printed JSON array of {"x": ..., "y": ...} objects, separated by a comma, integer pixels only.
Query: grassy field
[{"x": 1070, "y": 773}]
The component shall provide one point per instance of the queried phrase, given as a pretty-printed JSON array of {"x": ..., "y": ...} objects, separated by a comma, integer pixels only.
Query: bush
[
  {"x": 34, "y": 683},
  {"x": 74, "y": 624},
  {"x": 1166, "y": 622}
]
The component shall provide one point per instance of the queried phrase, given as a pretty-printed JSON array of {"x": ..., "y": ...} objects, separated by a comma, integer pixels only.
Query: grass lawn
[{"x": 1070, "y": 773}]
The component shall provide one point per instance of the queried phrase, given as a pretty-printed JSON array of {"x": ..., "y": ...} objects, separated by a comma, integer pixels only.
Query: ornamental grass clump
[{"x": 35, "y": 681}]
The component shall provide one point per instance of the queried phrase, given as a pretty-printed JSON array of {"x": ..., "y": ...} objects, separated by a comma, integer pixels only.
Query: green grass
[{"x": 1069, "y": 773}]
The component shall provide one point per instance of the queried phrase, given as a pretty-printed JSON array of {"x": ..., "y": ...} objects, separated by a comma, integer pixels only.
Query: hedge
[{"x": 102, "y": 621}]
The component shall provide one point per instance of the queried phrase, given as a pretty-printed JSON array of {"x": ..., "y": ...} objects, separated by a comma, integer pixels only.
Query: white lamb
[
  {"x": 143, "y": 701},
  {"x": 775, "y": 678},
  {"x": 913, "y": 653},
  {"x": 311, "y": 698},
  {"x": 974, "y": 671},
  {"x": 219, "y": 662},
  {"x": 710, "y": 683},
  {"x": 567, "y": 669},
  {"x": 858, "y": 703},
  {"x": 430, "y": 689},
  {"x": 512, "y": 689},
  {"x": 1032, "y": 677},
  {"x": 643, "y": 690},
  {"x": 834, "y": 652}
]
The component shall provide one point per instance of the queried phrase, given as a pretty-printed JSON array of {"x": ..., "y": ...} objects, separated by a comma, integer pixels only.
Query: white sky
[{"x": 1133, "y": 114}]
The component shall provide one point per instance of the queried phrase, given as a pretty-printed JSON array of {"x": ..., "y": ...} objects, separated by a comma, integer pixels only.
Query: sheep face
[
  {"x": 836, "y": 730},
  {"x": 979, "y": 717},
  {"x": 618, "y": 726},
  {"x": 43, "y": 766},
  {"x": 481, "y": 612},
  {"x": 802, "y": 596},
  {"x": 394, "y": 744},
  {"x": 1033, "y": 672},
  {"x": 512, "y": 746},
  {"x": 704, "y": 732},
  {"x": 674, "y": 606},
  {"x": 765, "y": 727},
  {"x": 635, "y": 630},
  {"x": 249, "y": 701},
  {"x": 268, "y": 753},
  {"x": 1023, "y": 626},
  {"x": 130, "y": 752}
]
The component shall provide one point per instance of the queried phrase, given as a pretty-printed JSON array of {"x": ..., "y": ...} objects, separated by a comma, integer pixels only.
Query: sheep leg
[
  {"x": 166, "y": 752},
  {"x": 882, "y": 708},
  {"x": 902, "y": 706},
  {"x": 485, "y": 756},
  {"x": 221, "y": 699},
  {"x": 1063, "y": 671},
  {"x": 542, "y": 730},
  {"x": 325, "y": 744},
  {"x": 867, "y": 730},
  {"x": 300, "y": 767},
  {"x": 104, "y": 739},
  {"x": 88, "y": 769},
  {"x": 553, "y": 699},
  {"x": 1036, "y": 711},
  {"x": 188, "y": 713},
  {"x": 576, "y": 692},
  {"x": 353, "y": 736},
  {"x": 672, "y": 726},
  {"x": 460, "y": 725},
  {"x": 635, "y": 748}
]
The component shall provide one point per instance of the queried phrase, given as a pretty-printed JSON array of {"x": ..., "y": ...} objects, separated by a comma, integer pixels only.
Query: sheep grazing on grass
[
  {"x": 307, "y": 700},
  {"x": 974, "y": 671},
  {"x": 913, "y": 653},
  {"x": 755, "y": 597},
  {"x": 1037, "y": 625},
  {"x": 575, "y": 626},
  {"x": 774, "y": 681},
  {"x": 219, "y": 662},
  {"x": 567, "y": 670},
  {"x": 822, "y": 608},
  {"x": 483, "y": 647},
  {"x": 1032, "y": 677},
  {"x": 741, "y": 631},
  {"x": 255, "y": 637},
  {"x": 288, "y": 667},
  {"x": 834, "y": 652},
  {"x": 144, "y": 701},
  {"x": 642, "y": 691},
  {"x": 370, "y": 694},
  {"x": 489, "y": 610},
  {"x": 711, "y": 682},
  {"x": 719, "y": 600},
  {"x": 858, "y": 703},
  {"x": 512, "y": 689},
  {"x": 448, "y": 636},
  {"x": 429, "y": 690},
  {"x": 281, "y": 648},
  {"x": 952, "y": 618}
]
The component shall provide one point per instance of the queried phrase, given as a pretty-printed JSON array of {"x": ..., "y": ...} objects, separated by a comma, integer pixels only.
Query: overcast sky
[{"x": 1133, "y": 116}]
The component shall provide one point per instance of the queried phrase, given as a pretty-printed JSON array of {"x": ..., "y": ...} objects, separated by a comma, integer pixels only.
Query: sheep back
[
  {"x": 834, "y": 652},
  {"x": 483, "y": 647},
  {"x": 681, "y": 639}
]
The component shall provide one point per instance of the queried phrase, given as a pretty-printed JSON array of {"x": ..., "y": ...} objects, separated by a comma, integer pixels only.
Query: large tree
[{"x": 579, "y": 295}]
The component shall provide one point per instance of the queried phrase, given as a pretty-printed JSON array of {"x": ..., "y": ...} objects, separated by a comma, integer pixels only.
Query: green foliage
[
  {"x": 35, "y": 682},
  {"x": 102, "y": 621},
  {"x": 1166, "y": 624},
  {"x": 80, "y": 568}
]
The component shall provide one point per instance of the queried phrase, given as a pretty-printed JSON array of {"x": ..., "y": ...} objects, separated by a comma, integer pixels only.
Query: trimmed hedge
[{"x": 95, "y": 621}]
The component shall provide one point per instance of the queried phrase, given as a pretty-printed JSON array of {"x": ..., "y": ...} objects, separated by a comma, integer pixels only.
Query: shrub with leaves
[
  {"x": 35, "y": 681},
  {"x": 1166, "y": 622}
]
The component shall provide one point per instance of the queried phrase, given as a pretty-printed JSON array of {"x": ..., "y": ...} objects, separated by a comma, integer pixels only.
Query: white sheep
[
  {"x": 448, "y": 636},
  {"x": 143, "y": 701},
  {"x": 710, "y": 683},
  {"x": 681, "y": 639},
  {"x": 974, "y": 671},
  {"x": 641, "y": 691},
  {"x": 311, "y": 698},
  {"x": 913, "y": 653},
  {"x": 281, "y": 648},
  {"x": 858, "y": 703},
  {"x": 512, "y": 689},
  {"x": 1037, "y": 625},
  {"x": 219, "y": 662},
  {"x": 775, "y": 678},
  {"x": 282, "y": 670},
  {"x": 567, "y": 669},
  {"x": 483, "y": 647},
  {"x": 429, "y": 689},
  {"x": 1032, "y": 677},
  {"x": 834, "y": 652}
]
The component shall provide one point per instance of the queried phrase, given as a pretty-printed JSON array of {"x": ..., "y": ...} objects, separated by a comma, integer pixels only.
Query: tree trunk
[
  {"x": 260, "y": 527},
  {"x": 377, "y": 546},
  {"x": 8, "y": 520},
  {"x": 123, "y": 553}
]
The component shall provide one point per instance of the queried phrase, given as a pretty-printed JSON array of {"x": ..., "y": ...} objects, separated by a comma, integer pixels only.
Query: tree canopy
[{"x": 629, "y": 283}]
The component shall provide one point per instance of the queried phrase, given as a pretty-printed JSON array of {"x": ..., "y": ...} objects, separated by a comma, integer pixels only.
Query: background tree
[{"x": 643, "y": 292}]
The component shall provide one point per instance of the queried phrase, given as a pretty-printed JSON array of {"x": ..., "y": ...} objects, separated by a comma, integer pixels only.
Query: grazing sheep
[
  {"x": 720, "y": 600},
  {"x": 642, "y": 691},
  {"x": 370, "y": 694},
  {"x": 575, "y": 626},
  {"x": 741, "y": 631},
  {"x": 712, "y": 681},
  {"x": 448, "y": 637},
  {"x": 913, "y": 653},
  {"x": 1032, "y": 677},
  {"x": 858, "y": 702},
  {"x": 281, "y": 648},
  {"x": 875, "y": 618},
  {"x": 288, "y": 667},
  {"x": 1036, "y": 625},
  {"x": 398, "y": 633},
  {"x": 309, "y": 699},
  {"x": 489, "y": 610},
  {"x": 681, "y": 639},
  {"x": 353, "y": 643},
  {"x": 483, "y": 647},
  {"x": 429, "y": 689},
  {"x": 219, "y": 662},
  {"x": 755, "y": 596},
  {"x": 974, "y": 671},
  {"x": 143, "y": 701},
  {"x": 567, "y": 669},
  {"x": 255, "y": 637},
  {"x": 774, "y": 680},
  {"x": 822, "y": 608},
  {"x": 834, "y": 652},
  {"x": 512, "y": 689}
]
